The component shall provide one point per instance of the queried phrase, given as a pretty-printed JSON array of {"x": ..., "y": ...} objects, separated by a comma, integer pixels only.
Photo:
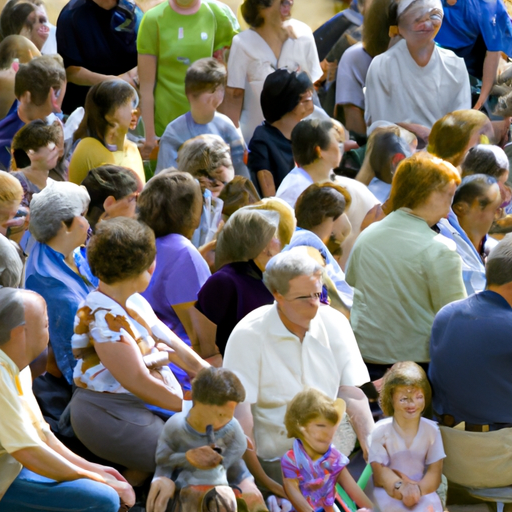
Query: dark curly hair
[{"x": 120, "y": 249}]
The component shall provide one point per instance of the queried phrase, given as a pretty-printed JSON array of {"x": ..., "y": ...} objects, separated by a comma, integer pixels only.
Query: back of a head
[
  {"x": 376, "y": 27},
  {"x": 288, "y": 265},
  {"x": 384, "y": 144},
  {"x": 201, "y": 156},
  {"x": 236, "y": 194},
  {"x": 12, "y": 312},
  {"x": 485, "y": 159},
  {"x": 307, "y": 136},
  {"x": 217, "y": 386},
  {"x": 416, "y": 178},
  {"x": 167, "y": 201},
  {"x": 245, "y": 235},
  {"x": 17, "y": 47},
  {"x": 205, "y": 75},
  {"x": 31, "y": 137},
  {"x": 250, "y": 10},
  {"x": 287, "y": 217},
  {"x": 451, "y": 134},
  {"x": 38, "y": 76},
  {"x": 498, "y": 267},
  {"x": 319, "y": 202},
  {"x": 106, "y": 181},
  {"x": 282, "y": 91},
  {"x": 120, "y": 249},
  {"x": 58, "y": 202}
]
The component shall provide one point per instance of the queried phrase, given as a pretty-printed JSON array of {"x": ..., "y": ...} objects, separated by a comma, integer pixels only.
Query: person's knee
[{"x": 99, "y": 497}]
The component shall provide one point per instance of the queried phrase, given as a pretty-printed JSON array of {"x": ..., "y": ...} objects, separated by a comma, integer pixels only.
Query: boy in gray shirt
[{"x": 203, "y": 448}]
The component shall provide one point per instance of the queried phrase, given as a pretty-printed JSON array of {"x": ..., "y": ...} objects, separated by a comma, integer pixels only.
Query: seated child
[
  {"x": 313, "y": 466},
  {"x": 197, "y": 449},
  {"x": 207, "y": 159},
  {"x": 406, "y": 450},
  {"x": 35, "y": 151},
  {"x": 204, "y": 86}
]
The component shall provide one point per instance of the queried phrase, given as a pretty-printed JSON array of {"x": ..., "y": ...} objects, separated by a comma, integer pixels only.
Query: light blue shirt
[
  {"x": 380, "y": 189},
  {"x": 293, "y": 184},
  {"x": 473, "y": 268},
  {"x": 184, "y": 128}
]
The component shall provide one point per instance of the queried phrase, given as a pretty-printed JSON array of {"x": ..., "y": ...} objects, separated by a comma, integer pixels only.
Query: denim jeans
[{"x": 31, "y": 492}]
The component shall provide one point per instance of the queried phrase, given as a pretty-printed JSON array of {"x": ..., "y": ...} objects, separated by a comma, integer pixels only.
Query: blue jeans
[{"x": 31, "y": 492}]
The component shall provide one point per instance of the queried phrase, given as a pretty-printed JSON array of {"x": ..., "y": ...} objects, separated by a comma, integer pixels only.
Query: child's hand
[
  {"x": 161, "y": 491},
  {"x": 203, "y": 457},
  {"x": 411, "y": 494}
]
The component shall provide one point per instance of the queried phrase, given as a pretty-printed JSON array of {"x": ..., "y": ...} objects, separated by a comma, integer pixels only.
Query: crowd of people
[{"x": 232, "y": 259}]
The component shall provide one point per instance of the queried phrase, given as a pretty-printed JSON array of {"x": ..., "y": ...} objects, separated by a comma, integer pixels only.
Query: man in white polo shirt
[{"x": 280, "y": 349}]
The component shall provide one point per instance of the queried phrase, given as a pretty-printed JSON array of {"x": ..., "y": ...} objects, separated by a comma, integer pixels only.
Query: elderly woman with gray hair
[
  {"x": 244, "y": 246},
  {"x": 58, "y": 225}
]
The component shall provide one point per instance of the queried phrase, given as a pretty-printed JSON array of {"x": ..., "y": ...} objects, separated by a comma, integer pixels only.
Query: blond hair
[{"x": 10, "y": 188}]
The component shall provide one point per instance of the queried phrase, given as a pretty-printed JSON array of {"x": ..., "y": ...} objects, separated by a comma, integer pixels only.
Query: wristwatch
[{"x": 398, "y": 485}]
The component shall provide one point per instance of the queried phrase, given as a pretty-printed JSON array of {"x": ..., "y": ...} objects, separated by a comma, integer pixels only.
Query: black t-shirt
[
  {"x": 269, "y": 149},
  {"x": 85, "y": 38}
]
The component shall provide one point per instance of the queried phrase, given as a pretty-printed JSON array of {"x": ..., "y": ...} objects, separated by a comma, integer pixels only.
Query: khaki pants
[{"x": 478, "y": 459}]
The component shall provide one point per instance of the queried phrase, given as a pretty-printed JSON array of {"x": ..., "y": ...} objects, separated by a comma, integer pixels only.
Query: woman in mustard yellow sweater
[{"x": 109, "y": 113}]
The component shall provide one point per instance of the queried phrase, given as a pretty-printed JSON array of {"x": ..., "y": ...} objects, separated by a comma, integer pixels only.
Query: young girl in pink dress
[
  {"x": 313, "y": 466},
  {"x": 406, "y": 450}
]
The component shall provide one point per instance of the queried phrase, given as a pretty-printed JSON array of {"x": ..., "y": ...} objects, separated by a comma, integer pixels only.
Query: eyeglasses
[{"x": 315, "y": 296}]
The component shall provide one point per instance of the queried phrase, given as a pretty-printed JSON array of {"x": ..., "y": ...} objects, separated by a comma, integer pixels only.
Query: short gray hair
[
  {"x": 498, "y": 269},
  {"x": 288, "y": 265},
  {"x": 12, "y": 312},
  {"x": 58, "y": 202},
  {"x": 246, "y": 233}
]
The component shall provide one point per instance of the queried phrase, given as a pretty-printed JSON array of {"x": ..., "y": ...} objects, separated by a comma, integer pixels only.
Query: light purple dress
[{"x": 388, "y": 448}]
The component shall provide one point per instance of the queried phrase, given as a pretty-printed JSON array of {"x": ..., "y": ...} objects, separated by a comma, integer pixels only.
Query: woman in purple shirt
[
  {"x": 171, "y": 205},
  {"x": 244, "y": 246}
]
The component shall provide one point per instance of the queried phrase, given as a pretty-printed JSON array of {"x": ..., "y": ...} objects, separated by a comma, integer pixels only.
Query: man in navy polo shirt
[{"x": 470, "y": 372}]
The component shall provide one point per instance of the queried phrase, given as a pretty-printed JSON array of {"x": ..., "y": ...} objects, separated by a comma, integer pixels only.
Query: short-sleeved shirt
[
  {"x": 251, "y": 60},
  {"x": 91, "y": 153},
  {"x": 229, "y": 294},
  {"x": 9, "y": 126},
  {"x": 178, "y": 40},
  {"x": 403, "y": 273},
  {"x": 274, "y": 365},
  {"x": 471, "y": 354},
  {"x": 178, "y": 437},
  {"x": 472, "y": 27},
  {"x": 269, "y": 149},
  {"x": 351, "y": 77},
  {"x": 180, "y": 273},
  {"x": 184, "y": 128},
  {"x": 21, "y": 422},
  {"x": 388, "y": 448},
  {"x": 63, "y": 290},
  {"x": 298, "y": 465},
  {"x": 101, "y": 319},
  {"x": 86, "y": 39},
  {"x": 399, "y": 90}
]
